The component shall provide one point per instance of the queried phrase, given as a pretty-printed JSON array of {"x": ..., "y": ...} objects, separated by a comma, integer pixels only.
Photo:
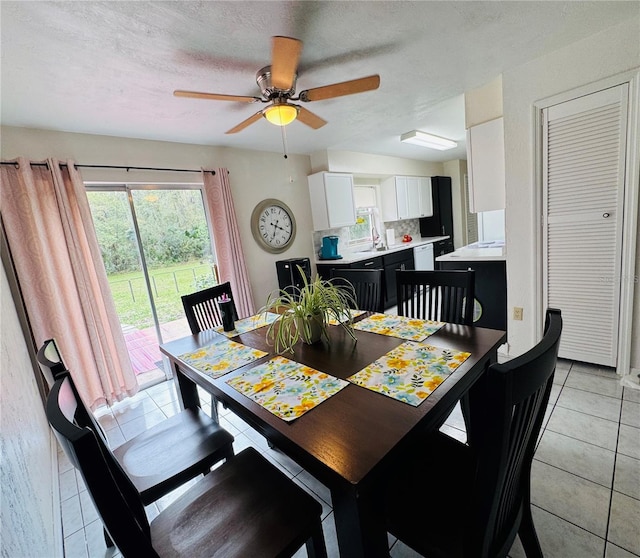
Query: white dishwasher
[{"x": 423, "y": 257}]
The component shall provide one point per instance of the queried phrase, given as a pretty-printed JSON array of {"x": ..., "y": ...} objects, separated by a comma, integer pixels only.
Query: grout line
[
  {"x": 580, "y": 439},
  {"x": 574, "y": 524},
  {"x": 613, "y": 479}
]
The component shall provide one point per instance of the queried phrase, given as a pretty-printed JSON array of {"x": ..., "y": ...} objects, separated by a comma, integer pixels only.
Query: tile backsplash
[{"x": 406, "y": 226}]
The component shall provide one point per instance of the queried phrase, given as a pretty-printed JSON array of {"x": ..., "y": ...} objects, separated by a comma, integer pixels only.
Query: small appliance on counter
[{"x": 329, "y": 249}]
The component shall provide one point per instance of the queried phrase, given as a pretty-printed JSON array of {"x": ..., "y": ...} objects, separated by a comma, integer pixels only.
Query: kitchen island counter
[
  {"x": 489, "y": 262},
  {"x": 478, "y": 251}
]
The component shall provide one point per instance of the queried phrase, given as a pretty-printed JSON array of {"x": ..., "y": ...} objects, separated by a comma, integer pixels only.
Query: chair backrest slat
[
  {"x": 446, "y": 295},
  {"x": 201, "y": 308},
  {"x": 368, "y": 285}
]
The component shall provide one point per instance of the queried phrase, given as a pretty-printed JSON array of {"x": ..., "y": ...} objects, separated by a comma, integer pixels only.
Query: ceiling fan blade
[
  {"x": 254, "y": 118},
  {"x": 216, "y": 96},
  {"x": 339, "y": 89},
  {"x": 285, "y": 53},
  {"x": 307, "y": 117}
]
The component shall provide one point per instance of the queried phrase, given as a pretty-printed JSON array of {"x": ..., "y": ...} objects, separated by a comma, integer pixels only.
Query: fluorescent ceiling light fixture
[
  {"x": 427, "y": 140},
  {"x": 281, "y": 114}
]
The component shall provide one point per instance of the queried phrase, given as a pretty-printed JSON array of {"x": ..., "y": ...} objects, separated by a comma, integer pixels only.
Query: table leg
[
  {"x": 187, "y": 390},
  {"x": 360, "y": 524}
]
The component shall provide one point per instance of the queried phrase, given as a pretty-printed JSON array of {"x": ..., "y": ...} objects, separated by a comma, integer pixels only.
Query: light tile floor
[{"x": 585, "y": 477}]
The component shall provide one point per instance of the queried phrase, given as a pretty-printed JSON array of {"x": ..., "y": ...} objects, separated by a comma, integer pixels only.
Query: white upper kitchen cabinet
[
  {"x": 406, "y": 197},
  {"x": 485, "y": 162},
  {"x": 332, "y": 201}
]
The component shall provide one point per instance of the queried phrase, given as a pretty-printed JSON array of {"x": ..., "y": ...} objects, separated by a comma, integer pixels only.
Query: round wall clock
[{"x": 273, "y": 225}]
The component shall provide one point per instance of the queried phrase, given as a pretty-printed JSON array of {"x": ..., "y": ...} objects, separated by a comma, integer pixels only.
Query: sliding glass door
[{"x": 156, "y": 247}]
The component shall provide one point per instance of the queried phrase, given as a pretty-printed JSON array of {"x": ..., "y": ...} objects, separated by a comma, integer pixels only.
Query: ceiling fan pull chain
[{"x": 284, "y": 140}]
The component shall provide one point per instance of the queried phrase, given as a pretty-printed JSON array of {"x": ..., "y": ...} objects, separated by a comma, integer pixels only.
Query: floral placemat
[
  {"x": 410, "y": 372},
  {"x": 248, "y": 324},
  {"x": 221, "y": 356},
  {"x": 403, "y": 327},
  {"x": 286, "y": 388},
  {"x": 332, "y": 320}
]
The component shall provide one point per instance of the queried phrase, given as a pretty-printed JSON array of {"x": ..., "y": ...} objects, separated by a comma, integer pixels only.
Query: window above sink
[{"x": 368, "y": 222}]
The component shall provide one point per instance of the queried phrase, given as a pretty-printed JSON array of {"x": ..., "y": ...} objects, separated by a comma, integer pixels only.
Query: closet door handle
[{"x": 606, "y": 215}]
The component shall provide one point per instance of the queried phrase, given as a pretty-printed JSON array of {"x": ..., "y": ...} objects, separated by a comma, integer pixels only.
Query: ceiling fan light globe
[{"x": 281, "y": 115}]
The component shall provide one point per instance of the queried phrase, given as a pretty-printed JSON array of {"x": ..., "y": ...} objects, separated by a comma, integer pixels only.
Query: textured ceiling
[{"x": 111, "y": 67}]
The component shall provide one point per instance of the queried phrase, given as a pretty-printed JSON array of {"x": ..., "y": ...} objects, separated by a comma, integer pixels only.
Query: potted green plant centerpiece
[{"x": 303, "y": 312}]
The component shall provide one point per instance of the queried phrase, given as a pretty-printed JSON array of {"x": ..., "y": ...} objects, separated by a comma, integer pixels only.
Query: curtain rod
[{"x": 127, "y": 168}]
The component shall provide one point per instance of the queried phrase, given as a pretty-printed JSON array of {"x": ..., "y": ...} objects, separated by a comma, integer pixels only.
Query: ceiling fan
[{"x": 278, "y": 83}]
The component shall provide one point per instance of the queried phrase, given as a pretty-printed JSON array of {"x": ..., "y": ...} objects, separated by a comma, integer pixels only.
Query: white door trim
[{"x": 629, "y": 281}]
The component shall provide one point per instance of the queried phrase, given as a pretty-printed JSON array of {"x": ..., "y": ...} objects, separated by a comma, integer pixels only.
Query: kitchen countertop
[
  {"x": 349, "y": 257},
  {"x": 478, "y": 251}
]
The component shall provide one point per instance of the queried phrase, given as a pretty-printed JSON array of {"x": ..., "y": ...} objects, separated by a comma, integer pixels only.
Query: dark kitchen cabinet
[
  {"x": 441, "y": 223},
  {"x": 324, "y": 270},
  {"x": 490, "y": 290},
  {"x": 442, "y": 247},
  {"x": 391, "y": 263}
]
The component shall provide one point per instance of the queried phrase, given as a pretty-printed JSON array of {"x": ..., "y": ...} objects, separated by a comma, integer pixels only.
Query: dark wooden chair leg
[
  {"x": 315, "y": 545},
  {"x": 465, "y": 407},
  {"x": 107, "y": 539},
  {"x": 214, "y": 409},
  {"x": 528, "y": 535}
]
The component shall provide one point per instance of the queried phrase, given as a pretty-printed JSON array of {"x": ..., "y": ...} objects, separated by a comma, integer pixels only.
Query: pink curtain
[
  {"x": 227, "y": 241},
  {"x": 64, "y": 285}
]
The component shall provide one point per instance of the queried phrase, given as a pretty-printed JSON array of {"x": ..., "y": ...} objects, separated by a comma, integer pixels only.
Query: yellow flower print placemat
[
  {"x": 248, "y": 324},
  {"x": 332, "y": 320},
  {"x": 403, "y": 327},
  {"x": 410, "y": 372},
  {"x": 221, "y": 356},
  {"x": 286, "y": 388}
]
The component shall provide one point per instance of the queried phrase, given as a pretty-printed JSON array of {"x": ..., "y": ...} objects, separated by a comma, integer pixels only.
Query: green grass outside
[{"x": 168, "y": 284}]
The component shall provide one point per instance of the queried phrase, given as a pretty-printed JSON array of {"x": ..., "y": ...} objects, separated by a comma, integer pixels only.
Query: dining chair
[
  {"x": 164, "y": 456},
  {"x": 201, "y": 308},
  {"x": 449, "y": 499},
  {"x": 442, "y": 295},
  {"x": 202, "y": 312},
  {"x": 244, "y": 507},
  {"x": 367, "y": 284}
]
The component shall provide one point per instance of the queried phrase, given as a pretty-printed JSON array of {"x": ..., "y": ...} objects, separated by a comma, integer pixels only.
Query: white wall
[
  {"x": 254, "y": 176},
  {"x": 602, "y": 55},
  {"x": 29, "y": 522},
  {"x": 378, "y": 165},
  {"x": 483, "y": 104}
]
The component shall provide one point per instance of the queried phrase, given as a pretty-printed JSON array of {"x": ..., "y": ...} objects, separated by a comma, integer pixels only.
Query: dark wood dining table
[{"x": 350, "y": 440}]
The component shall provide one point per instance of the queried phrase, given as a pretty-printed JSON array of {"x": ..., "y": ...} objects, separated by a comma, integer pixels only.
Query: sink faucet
[{"x": 375, "y": 237}]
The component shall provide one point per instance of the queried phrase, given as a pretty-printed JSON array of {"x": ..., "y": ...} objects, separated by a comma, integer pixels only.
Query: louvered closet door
[{"x": 585, "y": 142}]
